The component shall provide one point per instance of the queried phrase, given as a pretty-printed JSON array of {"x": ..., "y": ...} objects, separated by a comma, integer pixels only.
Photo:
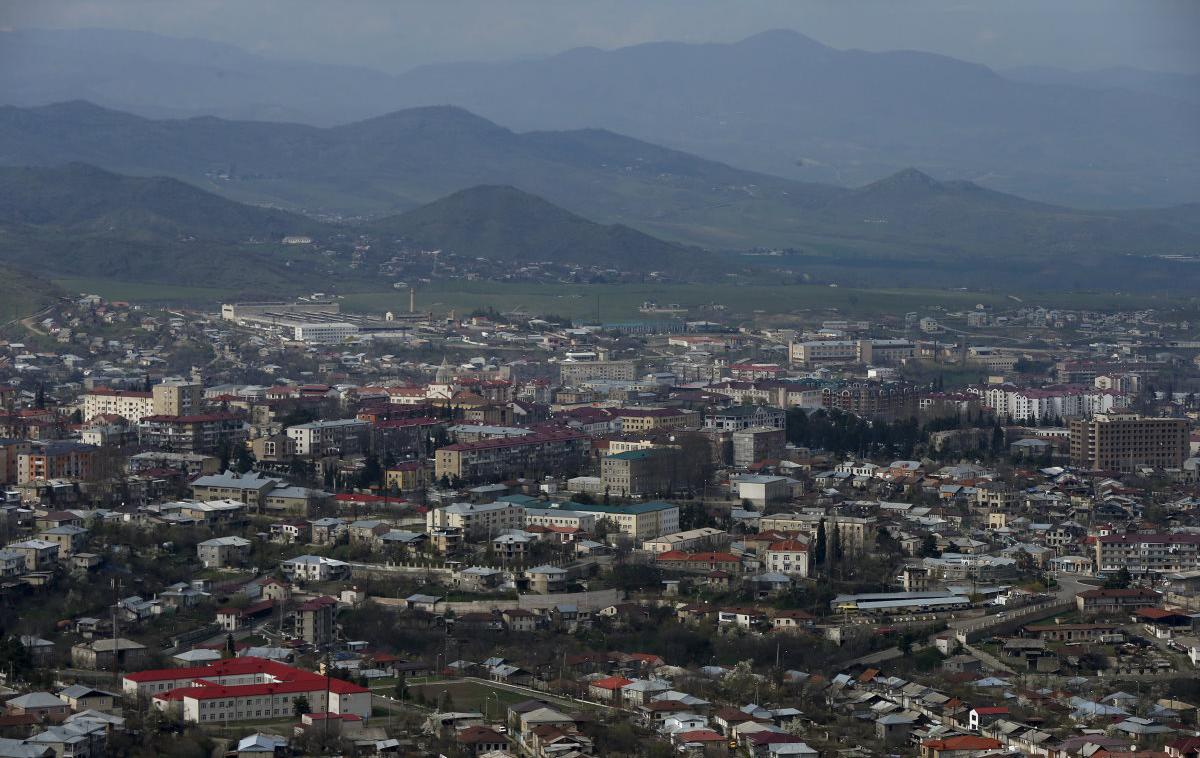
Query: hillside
[
  {"x": 78, "y": 197},
  {"x": 22, "y": 294},
  {"x": 399, "y": 161},
  {"x": 777, "y": 102},
  {"x": 79, "y": 220},
  {"x": 504, "y": 223}
]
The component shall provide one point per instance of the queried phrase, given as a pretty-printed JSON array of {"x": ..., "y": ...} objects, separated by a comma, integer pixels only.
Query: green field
[
  {"x": 620, "y": 302},
  {"x": 469, "y": 696}
]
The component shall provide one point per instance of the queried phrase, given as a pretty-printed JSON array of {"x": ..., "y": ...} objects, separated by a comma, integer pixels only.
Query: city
[{"x": 525, "y": 379}]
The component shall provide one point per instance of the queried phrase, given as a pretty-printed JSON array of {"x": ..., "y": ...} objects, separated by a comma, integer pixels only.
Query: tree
[
  {"x": 819, "y": 551},
  {"x": 929, "y": 547},
  {"x": 371, "y": 474},
  {"x": 1121, "y": 581},
  {"x": 835, "y": 545},
  {"x": 402, "y": 688},
  {"x": 300, "y": 705}
]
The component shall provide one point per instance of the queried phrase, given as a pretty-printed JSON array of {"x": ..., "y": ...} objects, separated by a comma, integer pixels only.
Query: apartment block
[
  {"x": 501, "y": 458},
  {"x": 1125, "y": 441}
]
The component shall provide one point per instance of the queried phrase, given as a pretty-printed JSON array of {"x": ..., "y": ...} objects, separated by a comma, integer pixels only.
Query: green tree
[
  {"x": 819, "y": 550},
  {"x": 300, "y": 705},
  {"x": 929, "y": 547}
]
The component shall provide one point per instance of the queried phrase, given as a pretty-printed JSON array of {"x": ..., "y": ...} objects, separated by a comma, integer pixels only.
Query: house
[
  {"x": 223, "y": 551},
  {"x": 81, "y": 697},
  {"x": 107, "y": 654},
  {"x": 978, "y": 718},
  {"x": 478, "y": 740},
  {"x": 70, "y": 539},
  {"x": 608, "y": 689},
  {"x": 314, "y": 568},
  {"x": 41, "y": 705}
]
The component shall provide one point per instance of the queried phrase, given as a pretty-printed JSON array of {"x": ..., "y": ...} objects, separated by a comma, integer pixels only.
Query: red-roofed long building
[{"x": 242, "y": 689}]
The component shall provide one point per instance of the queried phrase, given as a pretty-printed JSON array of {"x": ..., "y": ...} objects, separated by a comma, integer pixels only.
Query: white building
[{"x": 325, "y": 334}]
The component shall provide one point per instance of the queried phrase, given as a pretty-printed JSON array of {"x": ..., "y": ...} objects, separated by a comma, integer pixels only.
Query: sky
[{"x": 395, "y": 35}]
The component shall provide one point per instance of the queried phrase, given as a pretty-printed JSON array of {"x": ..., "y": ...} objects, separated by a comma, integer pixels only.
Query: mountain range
[
  {"x": 79, "y": 220},
  {"x": 777, "y": 102},
  {"x": 403, "y": 160}
]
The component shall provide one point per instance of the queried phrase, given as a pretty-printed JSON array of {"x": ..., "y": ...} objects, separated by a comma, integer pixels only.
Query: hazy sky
[{"x": 397, "y": 34}]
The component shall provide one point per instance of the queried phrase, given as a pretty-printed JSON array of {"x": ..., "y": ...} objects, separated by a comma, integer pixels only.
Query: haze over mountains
[{"x": 776, "y": 102}]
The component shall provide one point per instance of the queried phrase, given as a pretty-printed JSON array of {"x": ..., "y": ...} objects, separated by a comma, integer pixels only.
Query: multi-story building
[
  {"x": 738, "y": 417},
  {"x": 314, "y": 620},
  {"x": 857, "y": 533},
  {"x": 337, "y": 437},
  {"x": 329, "y": 333},
  {"x": 57, "y": 460},
  {"x": 1145, "y": 553},
  {"x": 817, "y": 352},
  {"x": 1113, "y": 600},
  {"x": 314, "y": 568},
  {"x": 636, "y": 472},
  {"x": 787, "y": 557},
  {"x": 223, "y": 551},
  {"x": 700, "y": 563},
  {"x": 176, "y": 398},
  {"x": 477, "y": 519},
  {"x": 560, "y": 517},
  {"x": 639, "y": 520},
  {"x": 11, "y": 451},
  {"x": 199, "y": 433},
  {"x": 573, "y": 372},
  {"x": 692, "y": 539},
  {"x": 1125, "y": 441},
  {"x": 245, "y": 689},
  {"x": 885, "y": 352},
  {"x": 650, "y": 419},
  {"x": 887, "y": 399},
  {"x": 102, "y": 401},
  {"x": 757, "y": 444},
  {"x": 39, "y": 555},
  {"x": 560, "y": 451},
  {"x": 1061, "y": 401}
]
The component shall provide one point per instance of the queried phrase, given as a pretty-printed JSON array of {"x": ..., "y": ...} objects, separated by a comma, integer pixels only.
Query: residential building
[
  {"x": 109, "y": 655},
  {"x": 787, "y": 557},
  {"x": 691, "y": 540},
  {"x": 1125, "y": 441},
  {"x": 756, "y": 444},
  {"x": 314, "y": 568},
  {"x": 176, "y": 398},
  {"x": 129, "y": 405},
  {"x": 340, "y": 437},
  {"x": 494, "y": 459},
  {"x": 223, "y": 551},
  {"x": 651, "y": 419},
  {"x": 637, "y": 472},
  {"x": 39, "y": 555},
  {"x": 197, "y": 433},
  {"x": 314, "y": 620},
  {"x": 574, "y": 372},
  {"x": 477, "y": 519},
  {"x": 1147, "y": 553},
  {"x": 857, "y": 533},
  {"x": 738, "y": 417},
  {"x": 57, "y": 460}
]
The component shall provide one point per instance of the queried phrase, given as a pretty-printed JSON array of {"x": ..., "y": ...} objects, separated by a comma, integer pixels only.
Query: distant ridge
[{"x": 504, "y": 223}]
